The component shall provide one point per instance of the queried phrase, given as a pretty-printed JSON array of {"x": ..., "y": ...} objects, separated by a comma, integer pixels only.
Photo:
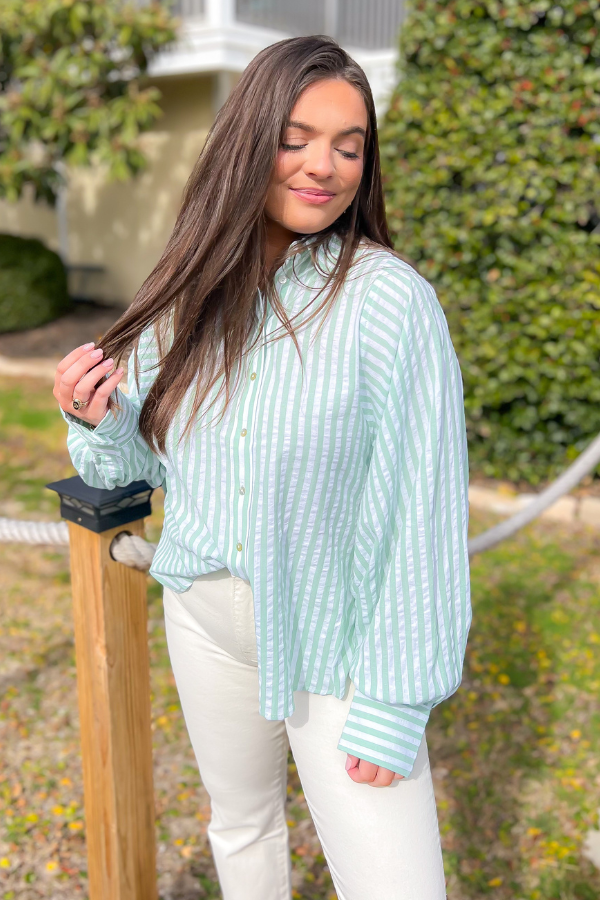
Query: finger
[
  {"x": 69, "y": 359},
  {"x": 71, "y": 376},
  {"x": 95, "y": 412},
  {"x": 383, "y": 778},
  {"x": 351, "y": 765},
  {"x": 398, "y": 776},
  {"x": 368, "y": 770},
  {"x": 364, "y": 772},
  {"x": 353, "y": 770},
  {"x": 86, "y": 384},
  {"x": 74, "y": 355},
  {"x": 99, "y": 403}
]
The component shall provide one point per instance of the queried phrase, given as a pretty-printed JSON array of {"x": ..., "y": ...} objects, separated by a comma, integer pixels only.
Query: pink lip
[{"x": 313, "y": 195}]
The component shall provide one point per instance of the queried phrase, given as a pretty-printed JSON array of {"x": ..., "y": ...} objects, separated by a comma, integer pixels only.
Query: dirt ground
[
  {"x": 514, "y": 752},
  {"x": 87, "y": 322}
]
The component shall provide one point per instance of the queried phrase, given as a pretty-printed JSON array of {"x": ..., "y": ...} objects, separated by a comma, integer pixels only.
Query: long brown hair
[{"x": 206, "y": 284}]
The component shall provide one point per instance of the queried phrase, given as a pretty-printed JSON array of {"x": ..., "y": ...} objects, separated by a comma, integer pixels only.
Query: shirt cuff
[
  {"x": 386, "y": 734},
  {"x": 110, "y": 430}
]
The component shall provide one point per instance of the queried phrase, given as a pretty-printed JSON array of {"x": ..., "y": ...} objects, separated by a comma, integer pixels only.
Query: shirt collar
[{"x": 327, "y": 253}]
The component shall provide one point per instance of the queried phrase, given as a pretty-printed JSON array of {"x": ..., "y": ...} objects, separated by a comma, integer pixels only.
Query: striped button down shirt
[{"x": 341, "y": 497}]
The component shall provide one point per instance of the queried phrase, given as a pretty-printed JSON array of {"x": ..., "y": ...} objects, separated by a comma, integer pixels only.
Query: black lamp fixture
[{"x": 98, "y": 509}]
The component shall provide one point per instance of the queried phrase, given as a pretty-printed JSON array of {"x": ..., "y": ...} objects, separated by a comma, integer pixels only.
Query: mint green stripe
[{"x": 354, "y": 518}]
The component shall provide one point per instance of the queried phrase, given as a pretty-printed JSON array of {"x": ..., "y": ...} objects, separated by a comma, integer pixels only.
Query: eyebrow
[{"x": 304, "y": 126}]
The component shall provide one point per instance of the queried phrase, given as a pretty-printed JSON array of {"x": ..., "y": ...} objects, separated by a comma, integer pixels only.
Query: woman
[{"x": 314, "y": 551}]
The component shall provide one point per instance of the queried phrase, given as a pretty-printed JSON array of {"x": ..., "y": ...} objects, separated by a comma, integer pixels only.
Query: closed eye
[{"x": 292, "y": 147}]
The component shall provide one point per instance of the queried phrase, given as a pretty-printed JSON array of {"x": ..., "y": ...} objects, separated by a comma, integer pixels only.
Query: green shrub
[
  {"x": 490, "y": 152},
  {"x": 33, "y": 284}
]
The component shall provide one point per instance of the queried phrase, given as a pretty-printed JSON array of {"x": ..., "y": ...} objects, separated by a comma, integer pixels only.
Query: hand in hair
[{"x": 79, "y": 376}]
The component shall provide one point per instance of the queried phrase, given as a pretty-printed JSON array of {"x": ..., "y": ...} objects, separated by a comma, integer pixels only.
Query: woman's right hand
[{"x": 77, "y": 376}]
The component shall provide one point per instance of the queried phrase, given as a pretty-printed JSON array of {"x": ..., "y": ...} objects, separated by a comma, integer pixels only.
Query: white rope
[
  {"x": 133, "y": 550},
  {"x": 585, "y": 463},
  {"x": 129, "y": 549},
  {"x": 33, "y": 532}
]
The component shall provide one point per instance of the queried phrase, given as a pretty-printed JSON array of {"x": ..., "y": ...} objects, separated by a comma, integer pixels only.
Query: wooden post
[{"x": 111, "y": 644}]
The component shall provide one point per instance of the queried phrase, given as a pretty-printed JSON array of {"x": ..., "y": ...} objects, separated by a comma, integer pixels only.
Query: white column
[
  {"x": 222, "y": 85},
  {"x": 331, "y": 18},
  {"x": 220, "y": 13}
]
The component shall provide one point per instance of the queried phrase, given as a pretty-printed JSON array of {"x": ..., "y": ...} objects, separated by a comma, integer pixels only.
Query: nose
[{"x": 319, "y": 163}]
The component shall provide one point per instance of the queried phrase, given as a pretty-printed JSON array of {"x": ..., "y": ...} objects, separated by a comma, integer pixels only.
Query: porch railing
[
  {"x": 188, "y": 8},
  {"x": 369, "y": 24}
]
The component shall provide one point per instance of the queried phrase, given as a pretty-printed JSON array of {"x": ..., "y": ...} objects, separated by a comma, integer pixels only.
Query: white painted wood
[
  {"x": 223, "y": 82},
  {"x": 332, "y": 17},
  {"x": 224, "y": 35},
  {"x": 219, "y": 13}
]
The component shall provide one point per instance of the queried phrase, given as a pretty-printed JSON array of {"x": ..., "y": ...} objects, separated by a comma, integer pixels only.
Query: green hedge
[
  {"x": 33, "y": 284},
  {"x": 491, "y": 152}
]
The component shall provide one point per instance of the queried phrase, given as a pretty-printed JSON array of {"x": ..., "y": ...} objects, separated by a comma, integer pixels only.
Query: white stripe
[{"x": 354, "y": 517}]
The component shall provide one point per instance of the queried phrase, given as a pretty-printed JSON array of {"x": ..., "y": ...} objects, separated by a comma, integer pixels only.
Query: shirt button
[
  {"x": 282, "y": 279},
  {"x": 242, "y": 490},
  {"x": 239, "y": 546},
  {"x": 244, "y": 432},
  {"x": 253, "y": 376}
]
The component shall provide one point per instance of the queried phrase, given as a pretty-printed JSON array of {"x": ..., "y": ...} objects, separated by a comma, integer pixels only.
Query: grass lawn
[{"x": 514, "y": 753}]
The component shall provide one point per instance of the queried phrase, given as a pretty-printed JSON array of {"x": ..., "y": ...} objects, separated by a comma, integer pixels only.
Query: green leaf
[
  {"x": 61, "y": 89},
  {"x": 492, "y": 182}
]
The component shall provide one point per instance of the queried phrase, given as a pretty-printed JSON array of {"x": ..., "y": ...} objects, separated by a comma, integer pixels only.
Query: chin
[{"x": 309, "y": 224}]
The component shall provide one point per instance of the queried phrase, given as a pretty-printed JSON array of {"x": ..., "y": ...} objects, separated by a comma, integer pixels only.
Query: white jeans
[{"x": 379, "y": 843}]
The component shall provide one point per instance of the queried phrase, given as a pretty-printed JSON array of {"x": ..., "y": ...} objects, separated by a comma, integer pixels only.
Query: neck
[{"x": 279, "y": 239}]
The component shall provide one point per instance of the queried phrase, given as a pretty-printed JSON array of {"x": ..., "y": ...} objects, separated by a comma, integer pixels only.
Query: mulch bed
[{"x": 87, "y": 322}]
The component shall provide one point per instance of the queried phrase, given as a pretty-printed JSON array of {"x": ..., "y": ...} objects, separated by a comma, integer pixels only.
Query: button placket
[
  {"x": 242, "y": 512},
  {"x": 244, "y": 489},
  {"x": 282, "y": 276},
  {"x": 246, "y": 433}
]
